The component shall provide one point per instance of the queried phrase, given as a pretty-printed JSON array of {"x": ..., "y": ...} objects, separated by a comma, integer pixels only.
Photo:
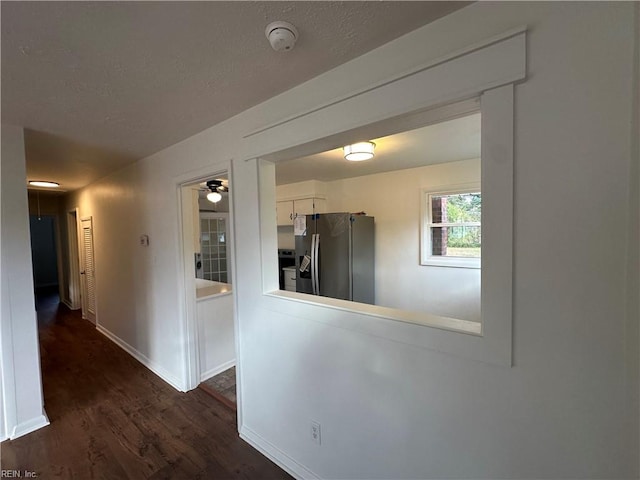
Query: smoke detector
[{"x": 281, "y": 35}]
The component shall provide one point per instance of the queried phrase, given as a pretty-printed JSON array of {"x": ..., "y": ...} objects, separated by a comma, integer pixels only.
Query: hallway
[{"x": 113, "y": 418}]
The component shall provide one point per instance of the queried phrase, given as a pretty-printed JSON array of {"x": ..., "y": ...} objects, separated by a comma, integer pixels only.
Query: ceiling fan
[{"x": 215, "y": 189}]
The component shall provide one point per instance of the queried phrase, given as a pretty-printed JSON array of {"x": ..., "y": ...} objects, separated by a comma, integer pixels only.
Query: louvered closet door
[{"x": 88, "y": 272}]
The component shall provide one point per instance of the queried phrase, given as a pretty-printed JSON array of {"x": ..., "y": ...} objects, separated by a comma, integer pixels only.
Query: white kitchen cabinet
[
  {"x": 284, "y": 212},
  {"x": 304, "y": 206},
  {"x": 287, "y": 210}
]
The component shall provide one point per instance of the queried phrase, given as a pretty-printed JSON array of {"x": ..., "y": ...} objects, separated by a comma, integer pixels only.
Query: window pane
[
  {"x": 457, "y": 241},
  {"x": 439, "y": 209},
  {"x": 213, "y": 247},
  {"x": 456, "y": 208}
]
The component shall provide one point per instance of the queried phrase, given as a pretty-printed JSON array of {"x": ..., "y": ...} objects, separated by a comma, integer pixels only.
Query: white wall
[
  {"x": 565, "y": 409},
  {"x": 286, "y": 239},
  {"x": 394, "y": 411},
  {"x": 393, "y": 198},
  {"x": 137, "y": 301},
  {"x": 216, "y": 336},
  {"x": 21, "y": 382}
]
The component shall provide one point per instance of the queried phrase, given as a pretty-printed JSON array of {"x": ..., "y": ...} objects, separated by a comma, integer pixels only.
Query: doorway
[
  {"x": 44, "y": 254},
  {"x": 207, "y": 233}
]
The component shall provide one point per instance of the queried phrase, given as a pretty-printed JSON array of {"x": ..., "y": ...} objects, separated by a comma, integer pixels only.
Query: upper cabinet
[
  {"x": 287, "y": 210},
  {"x": 308, "y": 206},
  {"x": 284, "y": 212}
]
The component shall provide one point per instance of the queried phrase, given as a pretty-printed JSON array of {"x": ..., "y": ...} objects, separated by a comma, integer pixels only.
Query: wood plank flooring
[{"x": 112, "y": 418}]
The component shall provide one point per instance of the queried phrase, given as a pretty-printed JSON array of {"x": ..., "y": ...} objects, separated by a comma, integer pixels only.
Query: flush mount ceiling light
[
  {"x": 42, "y": 183},
  {"x": 216, "y": 187},
  {"x": 359, "y": 151}
]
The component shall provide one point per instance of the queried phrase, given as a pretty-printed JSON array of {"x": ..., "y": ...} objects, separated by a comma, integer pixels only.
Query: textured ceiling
[
  {"x": 443, "y": 142},
  {"x": 100, "y": 84}
]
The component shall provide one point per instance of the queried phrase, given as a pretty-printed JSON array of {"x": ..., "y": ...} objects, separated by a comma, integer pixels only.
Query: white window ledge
[
  {"x": 457, "y": 262},
  {"x": 406, "y": 316}
]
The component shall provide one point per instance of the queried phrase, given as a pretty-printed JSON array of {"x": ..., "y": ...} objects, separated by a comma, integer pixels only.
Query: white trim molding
[
  {"x": 276, "y": 455},
  {"x": 30, "y": 426},
  {"x": 212, "y": 372},
  {"x": 73, "y": 302},
  {"x": 516, "y": 32},
  {"x": 461, "y": 77},
  {"x": 186, "y": 293}
]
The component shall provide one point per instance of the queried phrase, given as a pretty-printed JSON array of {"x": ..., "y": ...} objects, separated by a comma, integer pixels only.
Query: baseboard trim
[
  {"x": 69, "y": 304},
  {"x": 30, "y": 426},
  {"x": 276, "y": 455},
  {"x": 143, "y": 359},
  {"x": 216, "y": 370}
]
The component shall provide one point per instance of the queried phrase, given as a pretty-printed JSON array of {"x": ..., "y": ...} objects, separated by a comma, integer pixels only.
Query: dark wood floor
[{"x": 111, "y": 418}]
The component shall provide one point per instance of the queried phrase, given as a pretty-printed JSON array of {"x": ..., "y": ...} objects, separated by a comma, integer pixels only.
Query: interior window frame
[
  {"x": 462, "y": 76},
  {"x": 489, "y": 341}
]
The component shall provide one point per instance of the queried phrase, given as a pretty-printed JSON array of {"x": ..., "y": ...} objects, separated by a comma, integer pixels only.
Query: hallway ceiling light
[
  {"x": 42, "y": 183},
  {"x": 359, "y": 151}
]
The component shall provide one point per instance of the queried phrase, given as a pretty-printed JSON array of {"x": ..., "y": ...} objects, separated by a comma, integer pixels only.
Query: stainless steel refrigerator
[{"x": 335, "y": 256}]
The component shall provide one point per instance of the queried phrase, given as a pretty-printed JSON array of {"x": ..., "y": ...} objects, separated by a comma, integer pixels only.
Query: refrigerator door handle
[
  {"x": 312, "y": 266},
  {"x": 315, "y": 266}
]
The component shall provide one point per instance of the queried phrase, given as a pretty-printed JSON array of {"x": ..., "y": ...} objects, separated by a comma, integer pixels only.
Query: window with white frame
[{"x": 452, "y": 227}]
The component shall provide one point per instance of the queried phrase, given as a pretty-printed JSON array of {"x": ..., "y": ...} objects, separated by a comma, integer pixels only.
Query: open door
[{"x": 87, "y": 271}]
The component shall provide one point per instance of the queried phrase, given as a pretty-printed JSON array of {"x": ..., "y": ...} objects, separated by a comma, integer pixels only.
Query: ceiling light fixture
[
  {"x": 214, "y": 197},
  {"x": 217, "y": 188},
  {"x": 42, "y": 183},
  {"x": 359, "y": 151}
]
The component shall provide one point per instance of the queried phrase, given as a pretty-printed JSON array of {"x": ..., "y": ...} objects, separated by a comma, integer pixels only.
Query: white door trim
[
  {"x": 89, "y": 312},
  {"x": 186, "y": 282},
  {"x": 74, "y": 300}
]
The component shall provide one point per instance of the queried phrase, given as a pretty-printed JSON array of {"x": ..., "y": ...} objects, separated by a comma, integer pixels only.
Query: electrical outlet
[{"x": 315, "y": 432}]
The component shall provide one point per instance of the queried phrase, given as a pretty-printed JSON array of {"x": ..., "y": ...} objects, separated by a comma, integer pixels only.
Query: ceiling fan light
[
  {"x": 358, "y": 152},
  {"x": 214, "y": 197}
]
